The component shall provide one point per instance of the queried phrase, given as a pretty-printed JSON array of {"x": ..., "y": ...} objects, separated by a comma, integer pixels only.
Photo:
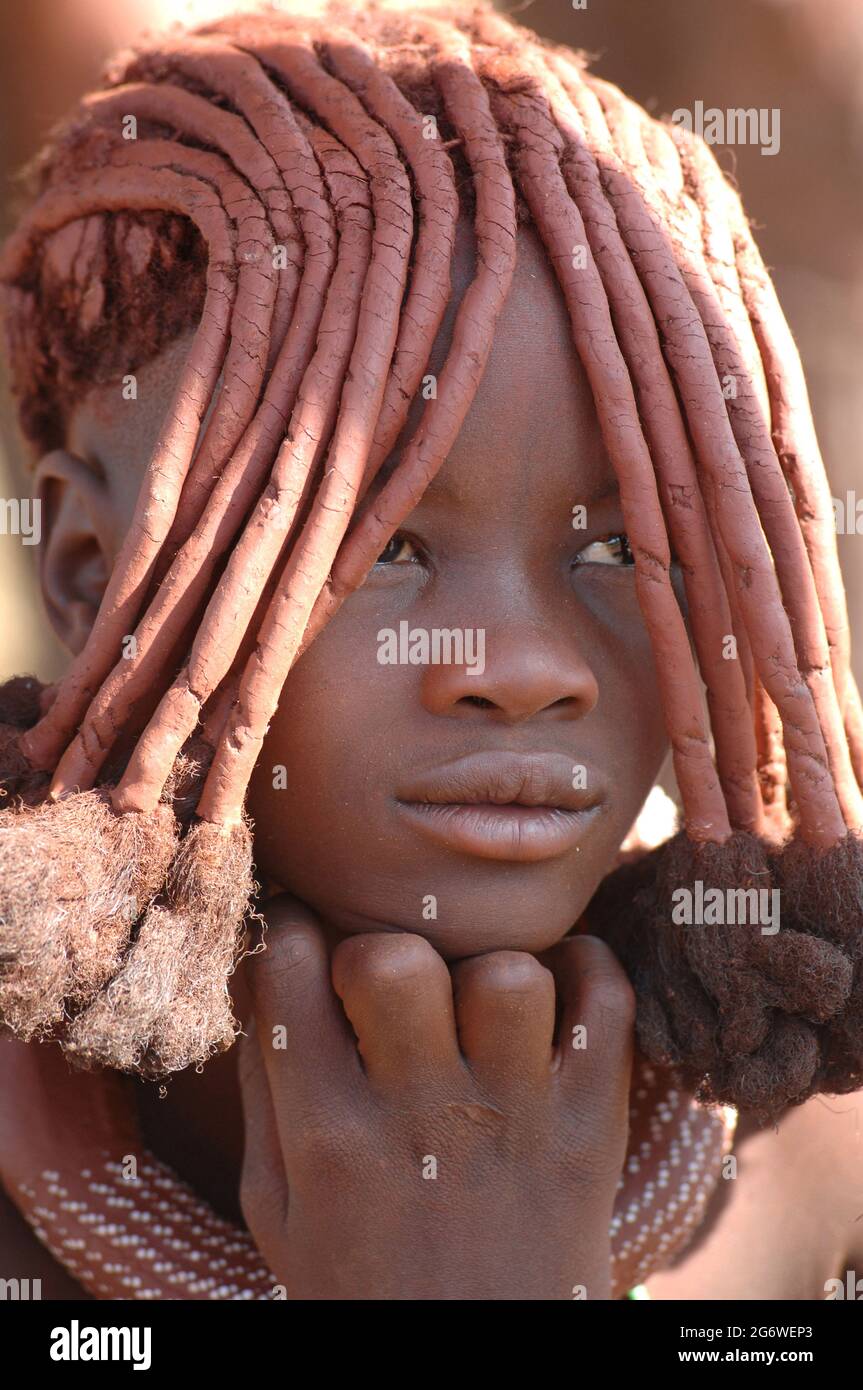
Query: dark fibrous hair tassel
[{"x": 293, "y": 193}]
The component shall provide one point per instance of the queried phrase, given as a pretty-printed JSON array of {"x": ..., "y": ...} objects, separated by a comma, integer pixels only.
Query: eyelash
[
  {"x": 623, "y": 558},
  {"x": 399, "y": 539}
]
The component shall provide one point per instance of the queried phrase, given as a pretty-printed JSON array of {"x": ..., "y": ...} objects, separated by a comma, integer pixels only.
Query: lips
[{"x": 515, "y": 807}]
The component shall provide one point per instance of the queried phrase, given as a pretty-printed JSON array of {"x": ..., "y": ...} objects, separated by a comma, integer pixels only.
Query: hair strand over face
[{"x": 290, "y": 161}]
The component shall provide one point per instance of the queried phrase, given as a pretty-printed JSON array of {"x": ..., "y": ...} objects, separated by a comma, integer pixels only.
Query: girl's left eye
[
  {"x": 611, "y": 550},
  {"x": 397, "y": 551}
]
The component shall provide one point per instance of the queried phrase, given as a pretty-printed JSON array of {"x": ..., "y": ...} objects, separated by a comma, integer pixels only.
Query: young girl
[{"x": 418, "y": 440}]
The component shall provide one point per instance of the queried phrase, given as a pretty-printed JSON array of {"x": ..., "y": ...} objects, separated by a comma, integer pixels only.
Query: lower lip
[{"x": 518, "y": 834}]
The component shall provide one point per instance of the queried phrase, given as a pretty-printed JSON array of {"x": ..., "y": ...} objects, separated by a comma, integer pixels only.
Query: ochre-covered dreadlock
[{"x": 126, "y": 856}]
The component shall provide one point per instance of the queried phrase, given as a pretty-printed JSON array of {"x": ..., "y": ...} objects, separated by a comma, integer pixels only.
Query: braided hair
[{"x": 293, "y": 191}]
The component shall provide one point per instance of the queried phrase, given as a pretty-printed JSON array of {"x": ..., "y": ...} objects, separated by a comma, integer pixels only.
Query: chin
[
  {"x": 463, "y": 934},
  {"x": 463, "y": 909}
]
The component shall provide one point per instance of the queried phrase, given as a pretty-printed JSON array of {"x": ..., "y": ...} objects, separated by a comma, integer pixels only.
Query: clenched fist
[{"x": 419, "y": 1131}]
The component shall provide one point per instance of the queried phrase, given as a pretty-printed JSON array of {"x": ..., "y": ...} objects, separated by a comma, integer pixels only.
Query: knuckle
[
  {"x": 290, "y": 951},
  {"x": 590, "y": 953},
  {"x": 594, "y": 1156},
  {"x": 327, "y": 1153},
  {"x": 287, "y": 911},
  {"x": 505, "y": 972},
  {"x": 601, "y": 979},
  {"x": 385, "y": 959}
]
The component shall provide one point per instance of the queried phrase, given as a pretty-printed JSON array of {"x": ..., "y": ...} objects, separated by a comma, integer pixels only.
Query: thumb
[{"x": 305, "y": 1040}]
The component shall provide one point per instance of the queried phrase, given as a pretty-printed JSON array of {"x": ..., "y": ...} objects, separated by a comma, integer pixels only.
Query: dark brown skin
[
  {"x": 491, "y": 545},
  {"x": 409, "y": 1037},
  {"x": 456, "y": 1070},
  {"x": 496, "y": 549}
]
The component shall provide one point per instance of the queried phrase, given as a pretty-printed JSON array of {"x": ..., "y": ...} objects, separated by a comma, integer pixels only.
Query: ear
[{"x": 77, "y": 549}]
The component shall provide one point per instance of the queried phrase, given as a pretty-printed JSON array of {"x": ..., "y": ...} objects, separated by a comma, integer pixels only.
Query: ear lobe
[{"x": 77, "y": 549}]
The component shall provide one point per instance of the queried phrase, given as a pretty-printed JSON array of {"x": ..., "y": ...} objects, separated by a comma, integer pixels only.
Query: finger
[
  {"x": 397, "y": 993},
  {"x": 306, "y": 1044},
  {"x": 597, "y": 1021},
  {"x": 505, "y": 1005},
  {"x": 263, "y": 1187}
]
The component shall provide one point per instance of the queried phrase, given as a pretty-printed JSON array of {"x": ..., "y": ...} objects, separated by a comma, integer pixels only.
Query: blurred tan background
[{"x": 803, "y": 56}]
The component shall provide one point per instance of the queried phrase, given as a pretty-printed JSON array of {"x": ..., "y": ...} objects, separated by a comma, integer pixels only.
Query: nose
[{"x": 527, "y": 671}]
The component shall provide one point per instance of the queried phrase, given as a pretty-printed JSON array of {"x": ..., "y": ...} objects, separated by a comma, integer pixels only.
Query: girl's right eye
[
  {"x": 611, "y": 550},
  {"x": 399, "y": 550}
]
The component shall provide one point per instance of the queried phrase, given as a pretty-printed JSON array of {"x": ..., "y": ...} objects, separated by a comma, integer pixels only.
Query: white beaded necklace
[{"x": 151, "y": 1237}]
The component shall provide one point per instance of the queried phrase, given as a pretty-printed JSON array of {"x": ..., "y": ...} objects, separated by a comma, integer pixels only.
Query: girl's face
[
  {"x": 477, "y": 793},
  {"x": 372, "y": 798}
]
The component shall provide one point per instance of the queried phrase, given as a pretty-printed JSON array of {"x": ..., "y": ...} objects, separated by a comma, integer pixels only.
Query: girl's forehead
[
  {"x": 532, "y": 429},
  {"x": 533, "y": 409}
]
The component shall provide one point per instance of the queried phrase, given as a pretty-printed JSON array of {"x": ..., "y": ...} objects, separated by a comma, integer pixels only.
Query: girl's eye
[
  {"x": 397, "y": 551},
  {"x": 611, "y": 550}
]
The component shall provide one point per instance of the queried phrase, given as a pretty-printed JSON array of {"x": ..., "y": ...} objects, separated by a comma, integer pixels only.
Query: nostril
[{"x": 479, "y": 701}]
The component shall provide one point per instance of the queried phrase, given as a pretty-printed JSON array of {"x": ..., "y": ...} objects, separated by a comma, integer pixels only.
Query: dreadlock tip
[{"x": 60, "y": 791}]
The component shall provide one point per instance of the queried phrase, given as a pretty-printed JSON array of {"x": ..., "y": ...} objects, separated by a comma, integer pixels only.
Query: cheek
[
  {"x": 347, "y": 728},
  {"x": 320, "y": 783},
  {"x": 634, "y": 690},
  {"x": 629, "y": 710},
  {"x": 631, "y": 738},
  {"x": 638, "y": 746}
]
